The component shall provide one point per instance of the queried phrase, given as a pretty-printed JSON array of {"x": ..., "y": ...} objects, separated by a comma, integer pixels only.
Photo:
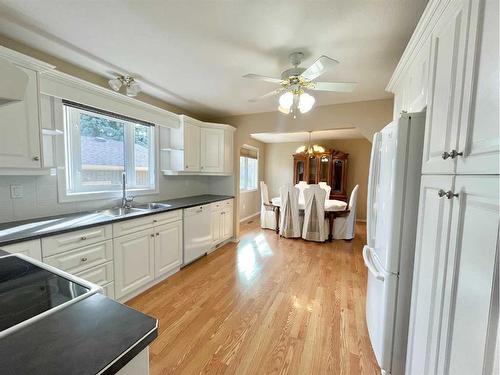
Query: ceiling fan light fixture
[
  {"x": 284, "y": 110},
  {"x": 286, "y": 100},
  {"x": 306, "y": 102}
]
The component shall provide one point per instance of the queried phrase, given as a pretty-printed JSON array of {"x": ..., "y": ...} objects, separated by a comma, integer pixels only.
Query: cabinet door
[
  {"x": 20, "y": 140},
  {"x": 168, "y": 247},
  {"x": 134, "y": 261},
  {"x": 191, "y": 147},
  {"x": 32, "y": 249},
  {"x": 479, "y": 137},
  {"x": 227, "y": 224},
  {"x": 428, "y": 275},
  {"x": 212, "y": 150},
  {"x": 446, "y": 67},
  {"x": 471, "y": 315},
  {"x": 228, "y": 151},
  {"x": 216, "y": 225},
  {"x": 418, "y": 80}
]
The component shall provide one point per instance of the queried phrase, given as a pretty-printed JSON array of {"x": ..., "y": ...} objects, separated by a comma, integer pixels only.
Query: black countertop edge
[
  {"x": 93, "y": 336},
  {"x": 130, "y": 354},
  {"x": 175, "y": 204}
]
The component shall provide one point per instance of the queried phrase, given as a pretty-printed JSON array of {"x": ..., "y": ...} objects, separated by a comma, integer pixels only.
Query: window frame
[
  {"x": 246, "y": 189},
  {"x": 69, "y": 145}
]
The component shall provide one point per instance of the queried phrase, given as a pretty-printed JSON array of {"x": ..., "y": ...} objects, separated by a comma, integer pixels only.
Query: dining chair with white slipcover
[
  {"x": 343, "y": 226},
  {"x": 313, "y": 228},
  {"x": 327, "y": 188},
  {"x": 289, "y": 212},
  {"x": 302, "y": 185},
  {"x": 267, "y": 211}
]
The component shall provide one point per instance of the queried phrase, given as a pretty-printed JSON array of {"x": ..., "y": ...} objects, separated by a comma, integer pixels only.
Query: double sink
[{"x": 136, "y": 209}]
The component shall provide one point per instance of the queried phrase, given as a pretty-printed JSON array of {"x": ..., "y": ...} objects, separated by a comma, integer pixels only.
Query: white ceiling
[
  {"x": 322, "y": 135},
  {"x": 192, "y": 53}
]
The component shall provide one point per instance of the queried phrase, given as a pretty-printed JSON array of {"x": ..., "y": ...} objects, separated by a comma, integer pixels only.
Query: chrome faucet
[{"x": 126, "y": 201}]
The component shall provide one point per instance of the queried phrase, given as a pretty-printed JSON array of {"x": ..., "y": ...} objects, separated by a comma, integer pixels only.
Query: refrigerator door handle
[
  {"x": 368, "y": 259},
  {"x": 372, "y": 184}
]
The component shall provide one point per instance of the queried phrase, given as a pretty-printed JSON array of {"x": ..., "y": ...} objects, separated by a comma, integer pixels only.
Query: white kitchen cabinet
[
  {"x": 31, "y": 248},
  {"x": 191, "y": 147},
  {"x": 168, "y": 247},
  {"x": 221, "y": 221},
  {"x": 216, "y": 225},
  {"x": 470, "y": 314},
  {"x": 417, "y": 81},
  {"x": 479, "y": 133},
  {"x": 212, "y": 149},
  {"x": 20, "y": 140},
  {"x": 429, "y": 274},
  {"x": 448, "y": 47},
  {"x": 134, "y": 256},
  {"x": 197, "y": 148}
]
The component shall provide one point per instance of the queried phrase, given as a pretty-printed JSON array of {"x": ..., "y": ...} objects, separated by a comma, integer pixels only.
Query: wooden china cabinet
[{"x": 329, "y": 166}]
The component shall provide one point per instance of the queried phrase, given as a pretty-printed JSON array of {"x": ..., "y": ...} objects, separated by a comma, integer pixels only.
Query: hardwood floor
[{"x": 266, "y": 305}]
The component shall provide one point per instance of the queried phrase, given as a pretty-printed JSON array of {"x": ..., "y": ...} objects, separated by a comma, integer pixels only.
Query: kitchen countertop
[
  {"x": 94, "y": 335},
  {"x": 30, "y": 229}
]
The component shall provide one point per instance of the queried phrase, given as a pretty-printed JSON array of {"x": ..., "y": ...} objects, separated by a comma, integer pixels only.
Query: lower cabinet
[
  {"x": 28, "y": 248},
  {"x": 134, "y": 261},
  {"x": 455, "y": 314},
  {"x": 221, "y": 221},
  {"x": 168, "y": 247}
]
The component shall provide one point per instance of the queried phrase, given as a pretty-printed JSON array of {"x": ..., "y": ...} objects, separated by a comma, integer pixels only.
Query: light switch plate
[{"x": 16, "y": 191}]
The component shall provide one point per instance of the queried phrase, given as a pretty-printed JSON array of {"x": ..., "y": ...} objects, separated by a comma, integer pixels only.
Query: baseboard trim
[
  {"x": 249, "y": 217},
  {"x": 360, "y": 221}
]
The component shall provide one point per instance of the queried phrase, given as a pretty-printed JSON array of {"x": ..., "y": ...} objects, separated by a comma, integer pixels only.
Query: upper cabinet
[
  {"x": 197, "y": 147},
  {"x": 20, "y": 144},
  {"x": 451, "y": 67}
]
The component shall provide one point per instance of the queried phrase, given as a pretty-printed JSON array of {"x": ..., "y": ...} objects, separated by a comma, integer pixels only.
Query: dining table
[{"x": 333, "y": 208}]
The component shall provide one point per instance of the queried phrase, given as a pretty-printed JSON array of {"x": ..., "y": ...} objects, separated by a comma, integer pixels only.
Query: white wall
[{"x": 40, "y": 195}]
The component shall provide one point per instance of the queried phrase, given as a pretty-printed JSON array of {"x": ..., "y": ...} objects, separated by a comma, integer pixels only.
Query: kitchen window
[
  {"x": 100, "y": 146},
  {"x": 248, "y": 169}
]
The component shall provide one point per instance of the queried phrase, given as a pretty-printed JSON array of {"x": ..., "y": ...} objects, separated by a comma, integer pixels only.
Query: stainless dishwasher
[{"x": 197, "y": 232}]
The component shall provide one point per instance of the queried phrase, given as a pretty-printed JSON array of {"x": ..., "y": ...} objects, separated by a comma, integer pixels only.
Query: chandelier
[{"x": 310, "y": 150}]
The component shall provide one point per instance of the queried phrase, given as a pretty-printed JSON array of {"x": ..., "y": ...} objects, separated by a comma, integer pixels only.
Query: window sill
[
  {"x": 102, "y": 195},
  {"x": 248, "y": 191}
]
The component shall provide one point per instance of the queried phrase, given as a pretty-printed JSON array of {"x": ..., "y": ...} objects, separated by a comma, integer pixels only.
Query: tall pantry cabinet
[{"x": 451, "y": 69}]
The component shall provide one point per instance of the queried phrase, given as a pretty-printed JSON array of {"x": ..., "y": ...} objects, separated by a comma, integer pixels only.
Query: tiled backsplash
[{"x": 40, "y": 195}]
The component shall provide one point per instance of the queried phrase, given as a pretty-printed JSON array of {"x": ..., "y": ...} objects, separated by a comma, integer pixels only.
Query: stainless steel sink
[
  {"x": 121, "y": 211},
  {"x": 152, "y": 206}
]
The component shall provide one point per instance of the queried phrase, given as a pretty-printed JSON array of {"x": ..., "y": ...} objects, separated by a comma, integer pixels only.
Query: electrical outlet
[{"x": 16, "y": 191}]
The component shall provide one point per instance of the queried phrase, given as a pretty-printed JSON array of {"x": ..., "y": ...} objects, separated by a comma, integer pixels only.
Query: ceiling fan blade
[
  {"x": 320, "y": 66},
  {"x": 334, "y": 86},
  {"x": 262, "y": 78},
  {"x": 272, "y": 93}
]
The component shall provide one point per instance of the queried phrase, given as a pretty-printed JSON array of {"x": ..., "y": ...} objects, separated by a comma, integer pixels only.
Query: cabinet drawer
[
  {"x": 109, "y": 290},
  {"x": 130, "y": 226},
  {"x": 167, "y": 217},
  {"x": 81, "y": 259},
  {"x": 227, "y": 203},
  {"x": 29, "y": 248},
  {"x": 72, "y": 240},
  {"x": 100, "y": 275}
]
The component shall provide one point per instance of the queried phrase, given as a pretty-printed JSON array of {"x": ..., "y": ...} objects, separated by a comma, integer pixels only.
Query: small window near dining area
[
  {"x": 248, "y": 169},
  {"x": 100, "y": 146}
]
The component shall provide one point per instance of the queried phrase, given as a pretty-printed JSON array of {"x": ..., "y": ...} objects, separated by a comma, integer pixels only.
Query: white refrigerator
[{"x": 393, "y": 192}]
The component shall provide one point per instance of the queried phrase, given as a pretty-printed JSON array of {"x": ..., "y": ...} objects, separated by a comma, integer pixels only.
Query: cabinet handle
[
  {"x": 441, "y": 193},
  {"x": 36, "y": 158},
  {"x": 83, "y": 238},
  {"x": 452, "y": 154},
  {"x": 186, "y": 167},
  {"x": 201, "y": 167},
  {"x": 155, "y": 221},
  {"x": 450, "y": 194},
  {"x": 157, "y": 234},
  {"x": 152, "y": 235},
  {"x": 84, "y": 259}
]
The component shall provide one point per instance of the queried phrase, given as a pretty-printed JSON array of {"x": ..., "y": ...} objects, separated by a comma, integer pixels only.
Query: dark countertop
[
  {"x": 30, "y": 229},
  {"x": 95, "y": 335}
]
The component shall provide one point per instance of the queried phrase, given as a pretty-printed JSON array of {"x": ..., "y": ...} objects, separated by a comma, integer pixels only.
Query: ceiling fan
[{"x": 295, "y": 82}]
